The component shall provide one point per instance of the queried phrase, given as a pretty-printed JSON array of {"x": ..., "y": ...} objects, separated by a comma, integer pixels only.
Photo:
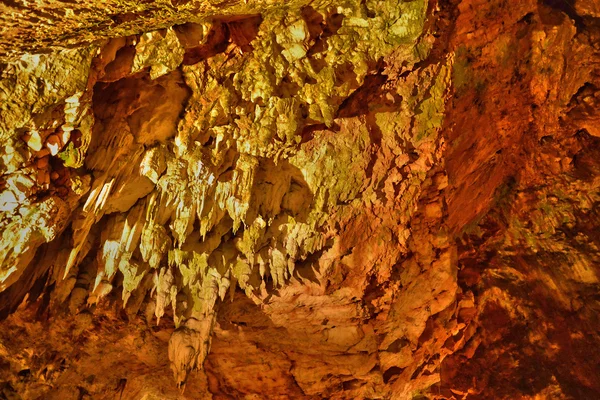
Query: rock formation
[{"x": 351, "y": 199}]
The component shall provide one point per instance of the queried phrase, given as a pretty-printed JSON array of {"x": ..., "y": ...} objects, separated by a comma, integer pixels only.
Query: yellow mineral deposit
[
  {"x": 33, "y": 140},
  {"x": 304, "y": 199}
]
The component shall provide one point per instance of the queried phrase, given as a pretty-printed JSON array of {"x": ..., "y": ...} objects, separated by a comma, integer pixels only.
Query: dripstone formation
[{"x": 306, "y": 199}]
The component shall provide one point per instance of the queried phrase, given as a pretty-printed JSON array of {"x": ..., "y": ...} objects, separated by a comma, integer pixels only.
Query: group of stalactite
[
  {"x": 177, "y": 165},
  {"x": 354, "y": 199}
]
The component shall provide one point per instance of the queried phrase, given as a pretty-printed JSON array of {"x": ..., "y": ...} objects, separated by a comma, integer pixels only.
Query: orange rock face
[{"x": 363, "y": 200}]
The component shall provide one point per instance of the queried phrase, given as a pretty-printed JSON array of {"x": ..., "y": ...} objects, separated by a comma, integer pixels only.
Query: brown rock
[
  {"x": 42, "y": 162},
  {"x": 53, "y": 144},
  {"x": 365, "y": 199},
  {"x": 42, "y": 153}
]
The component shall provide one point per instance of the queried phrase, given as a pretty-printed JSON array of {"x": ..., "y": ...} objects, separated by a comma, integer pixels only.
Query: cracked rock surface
[{"x": 259, "y": 199}]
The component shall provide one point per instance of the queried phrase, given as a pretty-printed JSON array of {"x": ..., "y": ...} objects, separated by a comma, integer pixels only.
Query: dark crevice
[{"x": 567, "y": 7}]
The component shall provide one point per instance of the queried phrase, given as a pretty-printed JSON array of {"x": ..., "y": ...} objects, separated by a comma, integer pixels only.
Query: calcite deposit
[{"x": 260, "y": 199}]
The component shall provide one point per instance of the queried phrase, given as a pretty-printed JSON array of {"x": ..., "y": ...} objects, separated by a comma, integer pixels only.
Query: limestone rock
[{"x": 257, "y": 199}]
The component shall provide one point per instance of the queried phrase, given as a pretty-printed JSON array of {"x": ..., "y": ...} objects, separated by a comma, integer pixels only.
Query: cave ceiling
[{"x": 263, "y": 199}]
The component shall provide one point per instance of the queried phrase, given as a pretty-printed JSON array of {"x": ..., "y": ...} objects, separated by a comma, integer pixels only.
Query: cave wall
[{"x": 359, "y": 199}]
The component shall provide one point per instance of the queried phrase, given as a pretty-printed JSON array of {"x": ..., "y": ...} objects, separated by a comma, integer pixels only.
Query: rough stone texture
[{"x": 251, "y": 199}]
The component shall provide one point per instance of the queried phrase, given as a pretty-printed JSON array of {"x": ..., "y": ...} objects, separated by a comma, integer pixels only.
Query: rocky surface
[{"x": 252, "y": 199}]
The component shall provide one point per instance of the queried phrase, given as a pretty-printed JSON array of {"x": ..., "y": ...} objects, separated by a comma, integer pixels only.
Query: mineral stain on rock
[{"x": 254, "y": 199}]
